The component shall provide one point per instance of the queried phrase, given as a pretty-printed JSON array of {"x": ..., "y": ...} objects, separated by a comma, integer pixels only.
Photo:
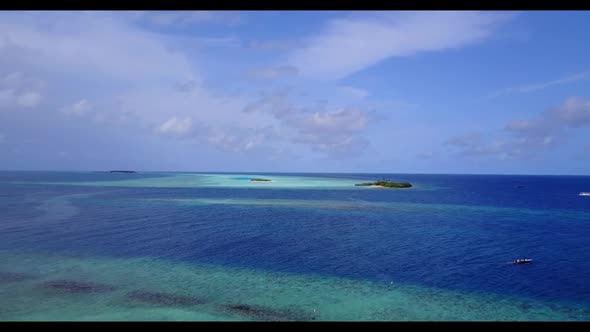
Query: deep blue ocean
[{"x": 451, "y": 232}]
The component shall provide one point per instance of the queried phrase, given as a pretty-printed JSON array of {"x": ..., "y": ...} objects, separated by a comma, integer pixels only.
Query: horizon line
[{"x": 285, "y": 172}]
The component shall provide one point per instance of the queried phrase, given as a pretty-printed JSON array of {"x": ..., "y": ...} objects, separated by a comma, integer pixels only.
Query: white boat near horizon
[{"x": 584, "y": 194}]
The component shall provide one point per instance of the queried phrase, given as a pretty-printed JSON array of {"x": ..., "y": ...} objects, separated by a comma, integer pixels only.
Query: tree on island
[{"x": 386, "y": 184}]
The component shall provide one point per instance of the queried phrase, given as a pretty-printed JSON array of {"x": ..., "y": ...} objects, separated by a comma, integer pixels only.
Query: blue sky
[{"x": 326, "y": 91}]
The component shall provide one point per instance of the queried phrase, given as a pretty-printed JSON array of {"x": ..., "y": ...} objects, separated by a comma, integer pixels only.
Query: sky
[{"x": 296, "y": 91}]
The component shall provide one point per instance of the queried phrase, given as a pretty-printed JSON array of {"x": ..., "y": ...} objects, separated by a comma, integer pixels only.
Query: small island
[
  {"x": 385, "y": 184},
  {"x": 260, "y": 180},
  {"x": 122, "y": 172}
]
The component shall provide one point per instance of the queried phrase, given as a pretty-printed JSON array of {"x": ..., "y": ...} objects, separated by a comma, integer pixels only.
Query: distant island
[
  {"x": 122, "y": 172},
  {"x": 260, "y": 180},
  {"x": 385, "y": 184}
]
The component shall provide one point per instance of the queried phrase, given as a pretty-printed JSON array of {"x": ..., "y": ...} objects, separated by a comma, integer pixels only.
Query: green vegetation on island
[
  {"x": 260, "y": 180},
  {"x": 385, "y": 184}
]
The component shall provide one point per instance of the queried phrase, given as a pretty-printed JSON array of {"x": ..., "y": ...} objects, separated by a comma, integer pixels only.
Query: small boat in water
[
  {"x": 584, "y": 194},
  {"x": 523, "y": 261}
]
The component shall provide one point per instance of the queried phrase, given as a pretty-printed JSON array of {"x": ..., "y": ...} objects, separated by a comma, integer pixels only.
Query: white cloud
[
  {"x": 216, "y": 42},
  {"x": 133, "y": 70},
  {"x": 16, "y": 90},
  {"x": 28, "y": 99},
  {"x": 529, "y": 137},
  {"x": 140, "y": 79},
  {"x": 336, "y": 132},
  {"x": 241, "y": 139},
  {"x": 187, "y": 17},
  {"x": 148, "y": 86},
  {"x": 271, "y": 73},
  {"x": 573, "y": 112},
  {"x": 89, "y": 41},
  {"x": 539, "y": 86},
  {"x": 273, "y": 45},
  {"x": 354, "y": 93},
  {"x": 176, "y": 127},
  {"x": 348, "y": 45},
  {"x": 341, "y": 120},
  {"x": 78, "y": 108}
]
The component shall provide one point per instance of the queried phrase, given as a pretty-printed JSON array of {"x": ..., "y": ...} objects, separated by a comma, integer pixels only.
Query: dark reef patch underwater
[
  {"x": 192, "y": 246},
  {"x": 6, "y": 277},
  {"x": 72, "y": 286}
]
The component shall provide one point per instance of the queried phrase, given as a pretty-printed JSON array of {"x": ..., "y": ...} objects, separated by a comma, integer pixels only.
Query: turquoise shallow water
[
  {"x": 99, "y": 246},
  {"x": 193, "y": 180},
  {"x": 272, "y": 296}
]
